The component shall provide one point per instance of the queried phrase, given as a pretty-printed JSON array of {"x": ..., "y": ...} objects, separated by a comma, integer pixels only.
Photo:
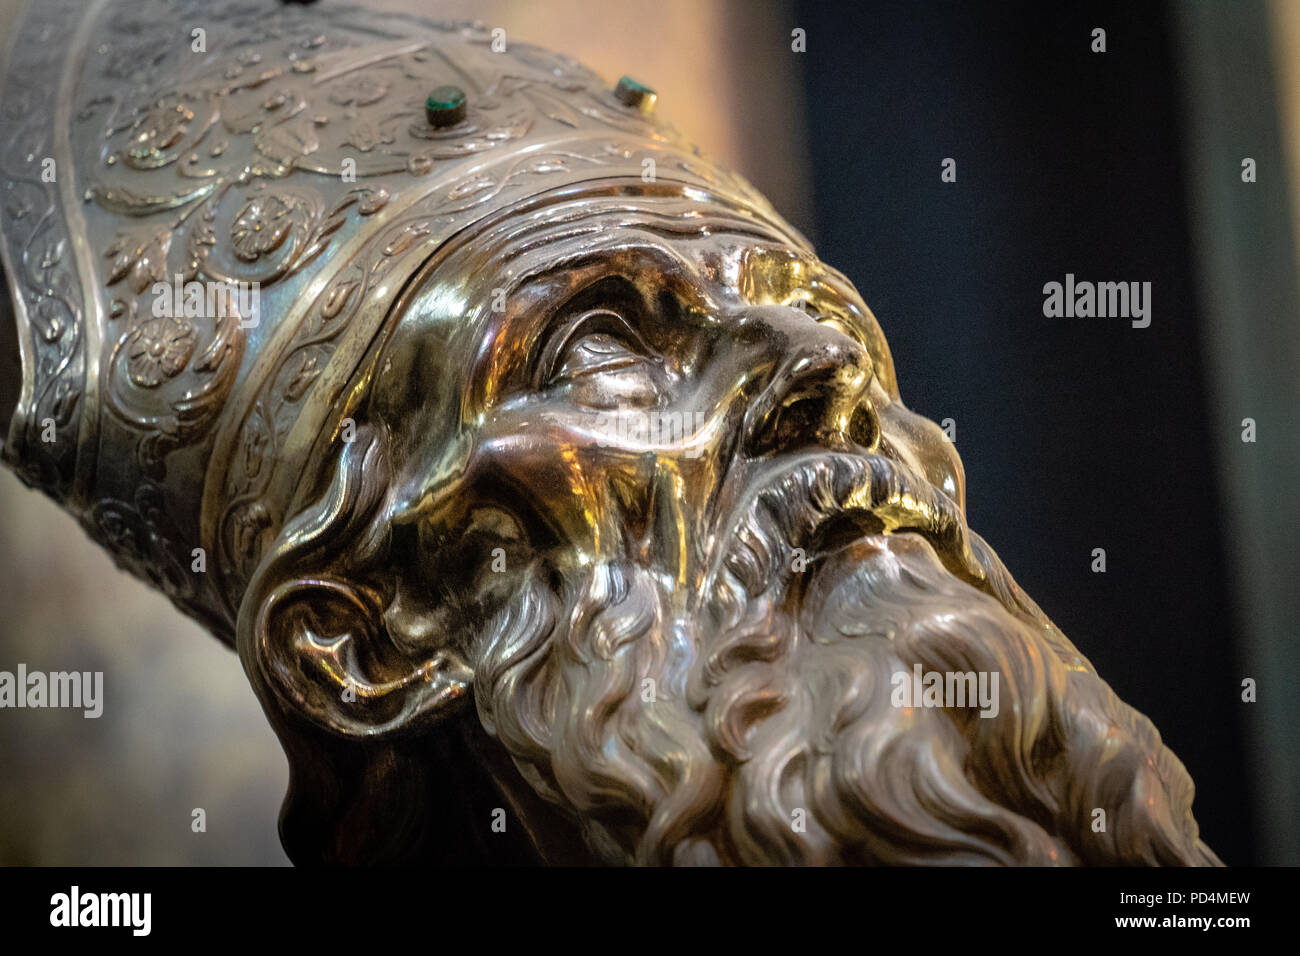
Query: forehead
[{"x": 710, "y": 270}]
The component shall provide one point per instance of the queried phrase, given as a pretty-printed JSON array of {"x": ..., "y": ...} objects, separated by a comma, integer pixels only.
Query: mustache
[{"x": 798, "y": 509}]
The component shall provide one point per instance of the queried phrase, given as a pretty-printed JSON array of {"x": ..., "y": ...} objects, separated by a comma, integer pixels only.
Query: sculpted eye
[
  {"x": 597, "y": 352},
  {"x": 601, "y": 362},
  {"x": 597, "y": 341}
]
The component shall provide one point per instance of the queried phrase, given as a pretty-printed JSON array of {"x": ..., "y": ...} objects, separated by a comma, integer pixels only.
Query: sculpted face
[
  {"x": 633, "y": 475},
  {"x": 557, "y": 515},
  {"x": 634, "y": 389}
]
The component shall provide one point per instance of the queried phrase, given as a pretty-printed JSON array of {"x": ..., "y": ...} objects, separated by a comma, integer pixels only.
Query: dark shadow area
[{"x": 11, "y": 372}]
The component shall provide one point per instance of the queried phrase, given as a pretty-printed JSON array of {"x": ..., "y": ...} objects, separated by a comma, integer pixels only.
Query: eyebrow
[
  {"x": 646, "y": 255},
  {"x": 633, "y": 264}
]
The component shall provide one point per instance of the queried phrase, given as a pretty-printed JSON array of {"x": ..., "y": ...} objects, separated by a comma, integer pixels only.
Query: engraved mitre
[{"x": 210, "y": 214}]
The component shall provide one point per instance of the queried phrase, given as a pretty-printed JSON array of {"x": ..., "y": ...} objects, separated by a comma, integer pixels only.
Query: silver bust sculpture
[{"x": 536, "y": 469}]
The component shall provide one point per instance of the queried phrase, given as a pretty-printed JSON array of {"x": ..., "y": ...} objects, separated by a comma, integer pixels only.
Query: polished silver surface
[{"x": 560, "y": 502}]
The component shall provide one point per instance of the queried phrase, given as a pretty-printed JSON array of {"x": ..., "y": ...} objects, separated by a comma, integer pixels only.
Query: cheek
[{"x": 552, "y": 458}]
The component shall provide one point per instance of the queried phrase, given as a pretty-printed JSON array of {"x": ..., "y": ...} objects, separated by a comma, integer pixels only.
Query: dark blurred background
[
  {"x": 1076, "y": 433},
  {"x": 1083, "y": 433}
]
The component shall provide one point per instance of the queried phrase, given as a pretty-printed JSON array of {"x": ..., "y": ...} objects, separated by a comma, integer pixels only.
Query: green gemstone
[
  {"x": 445, "y": 106},
  {"x": 634, "y": 94},
  {"x": 630, "y": 84},
  {"x": 445, "y": 98}
]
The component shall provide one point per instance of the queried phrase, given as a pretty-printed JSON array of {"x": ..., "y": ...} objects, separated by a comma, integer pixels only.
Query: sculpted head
[
  {"x": 633, "y": 482},
  {"x": 563, "y": 505}
]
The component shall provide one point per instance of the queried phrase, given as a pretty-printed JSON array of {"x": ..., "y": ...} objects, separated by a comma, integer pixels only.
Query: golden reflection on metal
[{"x": 557, "y": 475}]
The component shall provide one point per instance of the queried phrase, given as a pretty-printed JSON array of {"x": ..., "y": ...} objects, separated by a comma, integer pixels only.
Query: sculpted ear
[{"x": 312, "y": 632}]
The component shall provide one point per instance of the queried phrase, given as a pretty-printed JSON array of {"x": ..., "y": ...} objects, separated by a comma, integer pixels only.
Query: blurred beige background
[{"x": 181, "y": 729}]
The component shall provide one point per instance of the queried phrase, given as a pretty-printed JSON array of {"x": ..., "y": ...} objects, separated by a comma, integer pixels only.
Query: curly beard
[{"x": 760, "y": 729}]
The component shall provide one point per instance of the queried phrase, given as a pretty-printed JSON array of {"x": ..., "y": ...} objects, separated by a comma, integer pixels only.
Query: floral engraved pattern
[
  {"x": 139, "y": 536},
  {"x": 294, "y": 156},
  {"x": 158, "y": 349},
  {"x": 156, "y": 132},
  {"x": 303, "y": 373},
  {"x": 358, "y": 90},
  {"x": 49, "y": 318},
  {"x": 140, "y": 255},
  {"x": 37, "y": 231},
  {"x": 260, "y": 227}
]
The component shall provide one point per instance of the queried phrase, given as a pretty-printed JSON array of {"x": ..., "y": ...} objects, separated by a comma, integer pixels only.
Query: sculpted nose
[{"x": 818, "y": 389}]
